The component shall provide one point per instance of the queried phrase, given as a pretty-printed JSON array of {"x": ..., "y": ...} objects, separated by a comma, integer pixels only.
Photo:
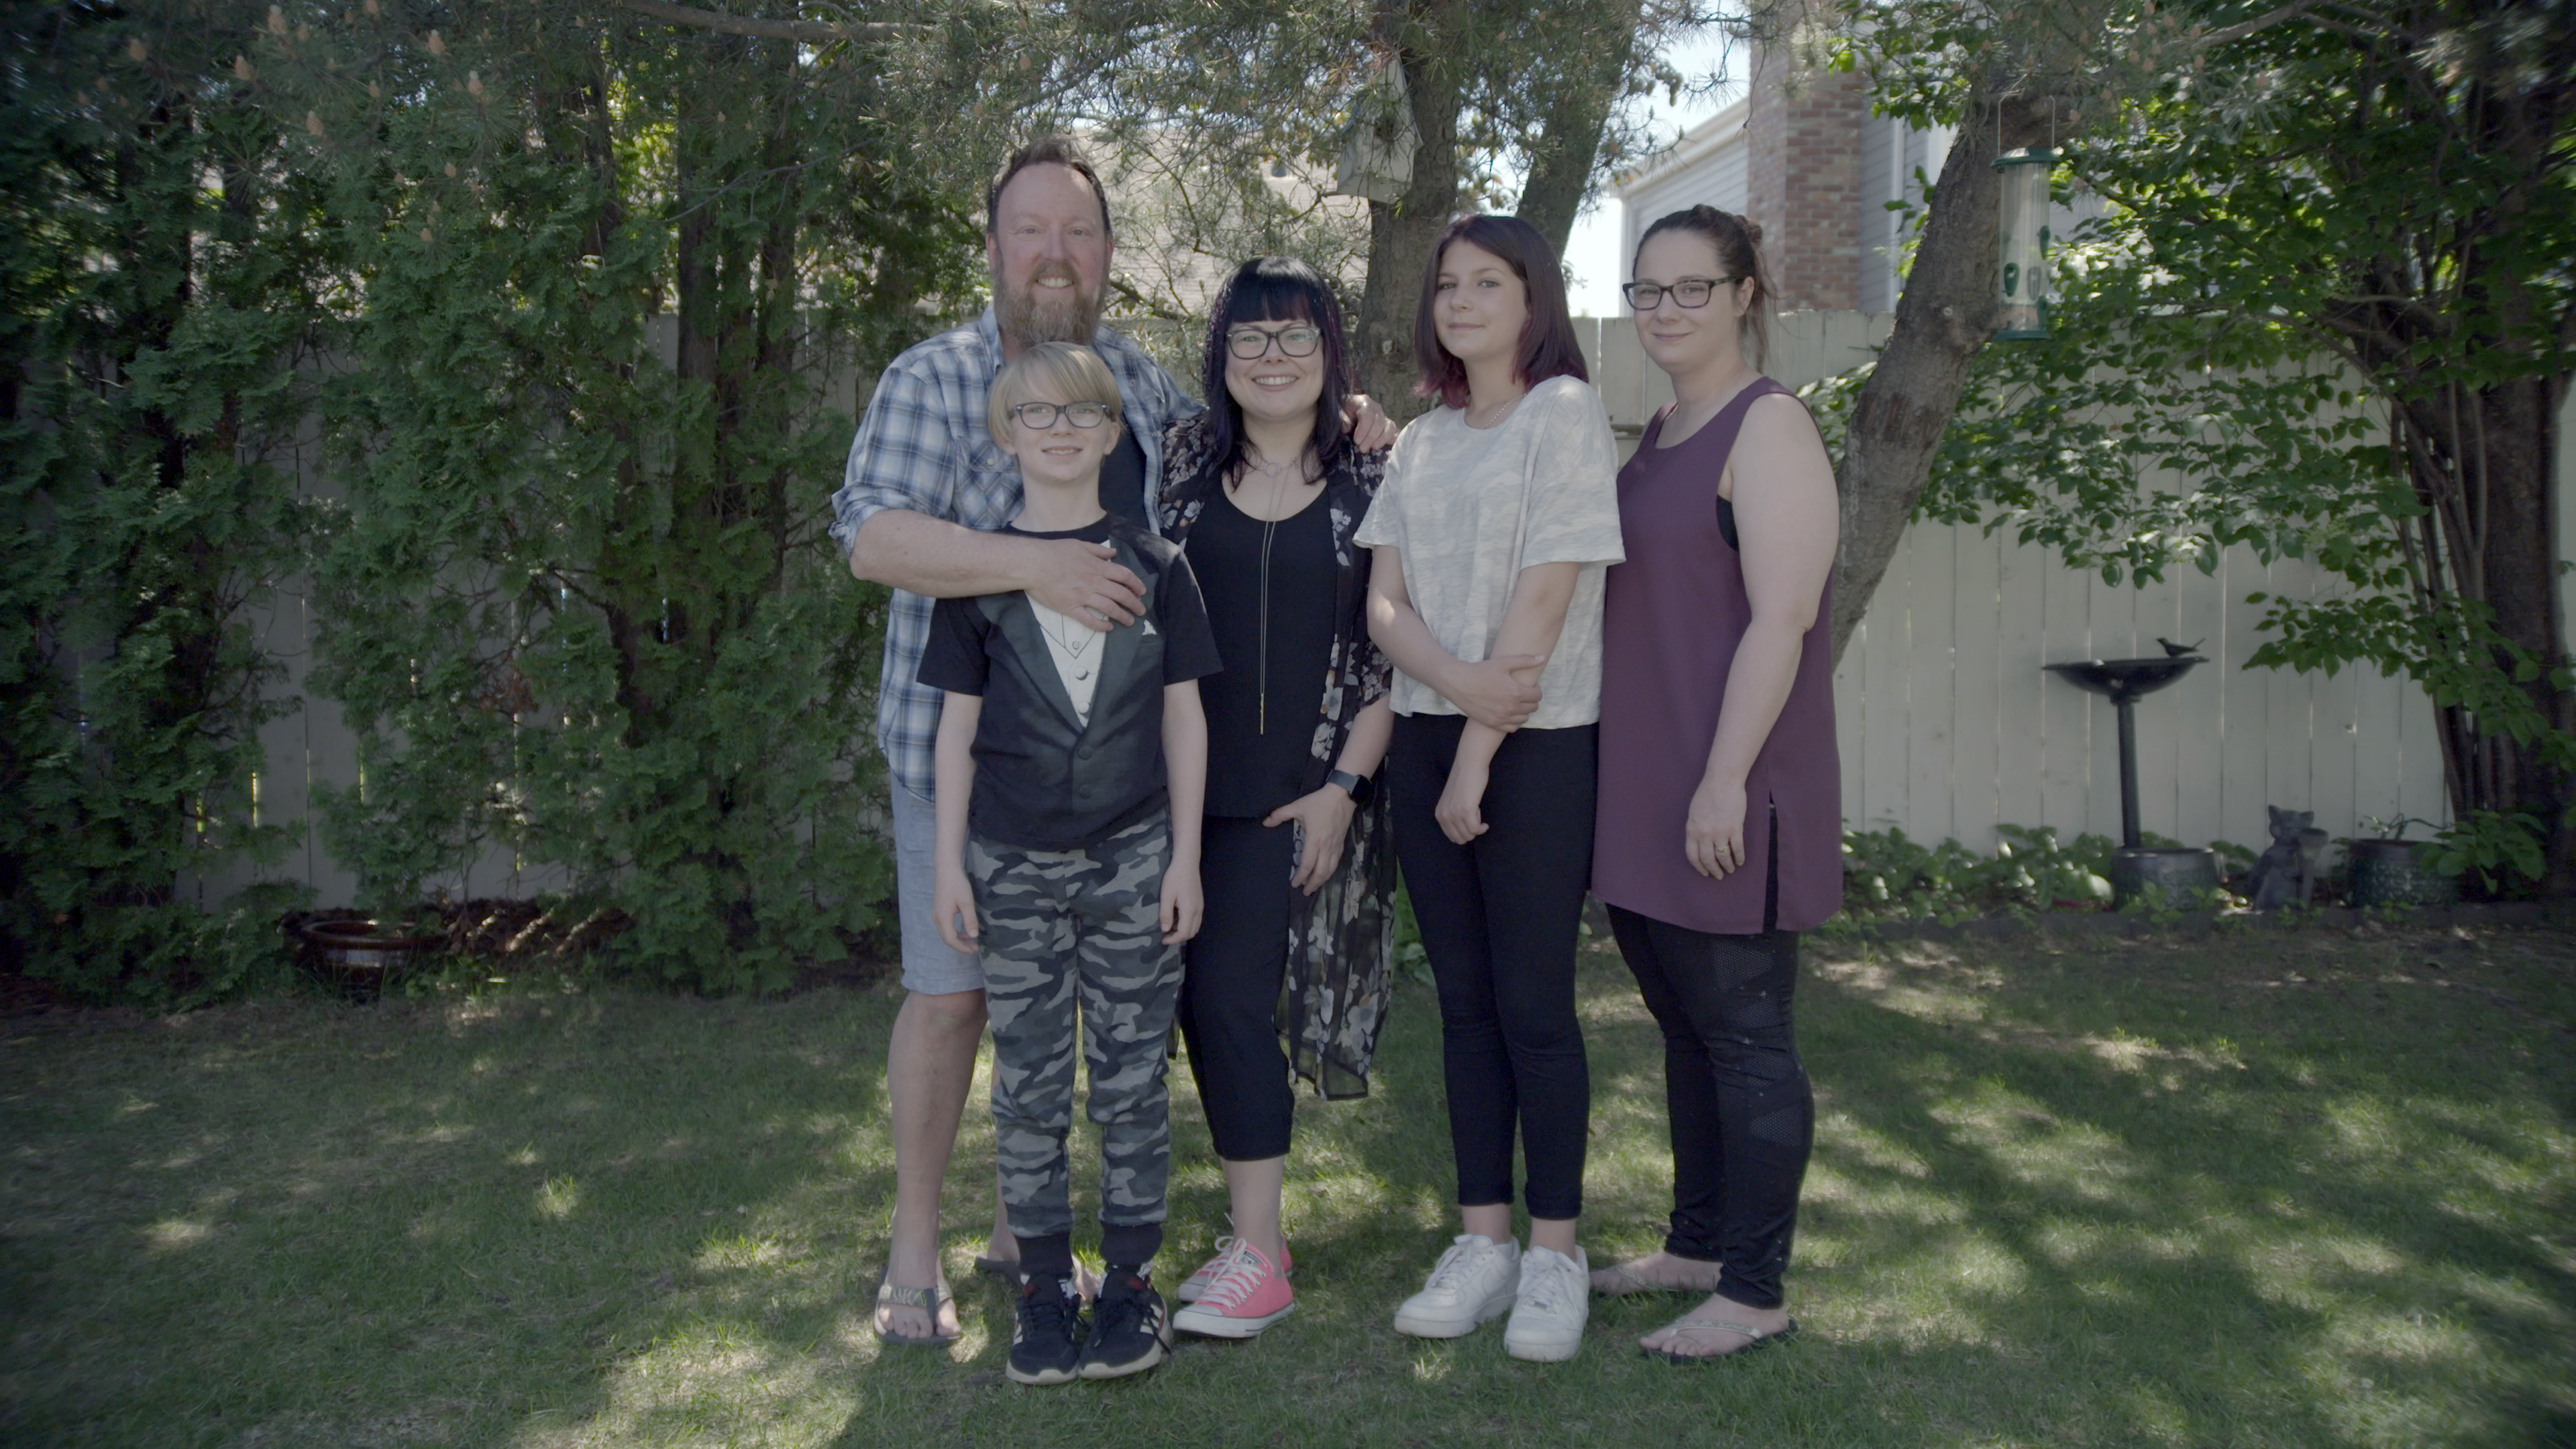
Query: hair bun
[{"x": 1752, "y": 230}]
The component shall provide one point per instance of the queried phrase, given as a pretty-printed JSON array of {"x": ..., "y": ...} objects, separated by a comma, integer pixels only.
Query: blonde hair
[{"x": 1072, "y": 372}]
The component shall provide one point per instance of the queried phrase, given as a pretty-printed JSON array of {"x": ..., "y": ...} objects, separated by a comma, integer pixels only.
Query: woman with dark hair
[
  {"x": 1497, "y": 520},
  {"x": 1720, "y": 828},
  {"x": 1266, "y": 494}
]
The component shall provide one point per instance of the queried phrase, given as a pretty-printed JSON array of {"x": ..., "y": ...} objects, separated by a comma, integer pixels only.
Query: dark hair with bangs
[
  {"x": 1054, "y": 150},
  {"x": 1276, "y": 289},
  {"x": 1548, "y": 348}
]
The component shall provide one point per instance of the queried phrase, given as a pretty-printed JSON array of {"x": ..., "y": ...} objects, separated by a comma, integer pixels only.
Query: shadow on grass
[{"x": 2137, "y": 1195}]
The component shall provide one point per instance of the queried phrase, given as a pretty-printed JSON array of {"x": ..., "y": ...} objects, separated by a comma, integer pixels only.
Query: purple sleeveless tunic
[{"x": 1673, "y": 615}]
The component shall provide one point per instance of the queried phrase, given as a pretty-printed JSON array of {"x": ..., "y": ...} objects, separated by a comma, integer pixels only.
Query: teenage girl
[{"x": 1497, "y": 518}]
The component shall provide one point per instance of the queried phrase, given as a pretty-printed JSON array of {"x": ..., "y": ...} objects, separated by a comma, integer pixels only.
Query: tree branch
[
  {"x": 723, "y": 24},
  {"x": 2291, "y": 11}
]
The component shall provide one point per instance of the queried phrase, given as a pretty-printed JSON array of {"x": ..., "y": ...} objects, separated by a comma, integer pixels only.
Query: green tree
[
  {"x": 1450, "y": 96},
  {"x": 160, "y": 274},
  {"x": 2313, "y": 210},
  {"x": 580, "y": 603}
]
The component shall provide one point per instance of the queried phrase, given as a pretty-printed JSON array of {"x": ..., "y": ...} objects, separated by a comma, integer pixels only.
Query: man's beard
[{"x": 1036, "y": 314}]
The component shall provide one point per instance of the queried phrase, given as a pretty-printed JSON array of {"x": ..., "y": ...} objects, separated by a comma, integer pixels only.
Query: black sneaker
[
  {"x": 1130, "y": 1329},
  {"x": 1046, "y": 1339}
]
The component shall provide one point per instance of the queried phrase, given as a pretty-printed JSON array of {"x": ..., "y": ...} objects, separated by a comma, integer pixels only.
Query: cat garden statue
[{"x": 2287, "y": 873}]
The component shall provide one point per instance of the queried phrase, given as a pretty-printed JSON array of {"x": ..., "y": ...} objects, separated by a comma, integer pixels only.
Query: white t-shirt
[{"x": 1472, "y": 507}]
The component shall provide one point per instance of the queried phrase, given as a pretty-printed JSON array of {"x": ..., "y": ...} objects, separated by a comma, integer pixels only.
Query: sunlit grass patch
[{"x": 2280, "y": 1192}]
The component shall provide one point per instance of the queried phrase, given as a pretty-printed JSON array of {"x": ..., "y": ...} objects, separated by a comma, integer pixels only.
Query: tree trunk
[
  {"x": 1561, "y": 164},
  {"x": 2482, "y": 464},
  {"x": 1944, "y": 315},
  {"x": 1401, "y": 236}
]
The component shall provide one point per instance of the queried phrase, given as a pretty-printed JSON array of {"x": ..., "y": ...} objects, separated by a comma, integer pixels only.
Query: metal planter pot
[
  {"x": 360, "y": 957},
  {"x": 2169, "y": 877},
  {"x": 2395, "y": 873}
]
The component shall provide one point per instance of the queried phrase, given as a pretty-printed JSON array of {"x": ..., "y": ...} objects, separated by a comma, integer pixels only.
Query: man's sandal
[
  {"x": 1621, "y": 1279},
  {"x": 928, "y": 1300},
  {"x": 1755, "y": 1338}
]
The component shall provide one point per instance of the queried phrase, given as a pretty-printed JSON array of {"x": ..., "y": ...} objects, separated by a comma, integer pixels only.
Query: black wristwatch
[{"x": 1358, "y": 787}]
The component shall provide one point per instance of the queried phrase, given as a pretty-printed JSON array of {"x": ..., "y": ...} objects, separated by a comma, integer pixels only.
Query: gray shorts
[{"x": 929, "y": 965}]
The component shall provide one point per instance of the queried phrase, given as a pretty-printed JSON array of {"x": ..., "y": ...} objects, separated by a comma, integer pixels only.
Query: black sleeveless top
[{"x": 1269, "y": 592}]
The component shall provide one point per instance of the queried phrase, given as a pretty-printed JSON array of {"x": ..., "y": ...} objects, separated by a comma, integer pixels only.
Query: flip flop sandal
[
  {"x": 1755, "y": 1337},
  {"x": 928, "y": 1300},
  {"x": 1625, "y": 1280}
]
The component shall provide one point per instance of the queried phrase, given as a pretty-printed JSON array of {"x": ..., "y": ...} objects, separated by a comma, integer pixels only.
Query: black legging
[
  {"x": 1230, "y": 991},
  {"x": 1743, "y": 1117},
  {"x": 1498, "y": 918}
]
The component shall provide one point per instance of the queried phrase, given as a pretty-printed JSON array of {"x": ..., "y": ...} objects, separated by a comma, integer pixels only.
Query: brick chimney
[{"x": 1802, "y": 180}]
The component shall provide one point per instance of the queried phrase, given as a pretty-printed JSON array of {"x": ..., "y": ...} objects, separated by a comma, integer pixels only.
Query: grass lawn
[{"x": 2275, "y": 1188}]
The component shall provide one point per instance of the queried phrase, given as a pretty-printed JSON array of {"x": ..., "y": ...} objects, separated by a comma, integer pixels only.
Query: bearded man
[{"x": 923, "y": 490}]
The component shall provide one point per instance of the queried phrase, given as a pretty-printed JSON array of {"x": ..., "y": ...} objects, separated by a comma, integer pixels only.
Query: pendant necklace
[{"x": 1269, "y": 530}]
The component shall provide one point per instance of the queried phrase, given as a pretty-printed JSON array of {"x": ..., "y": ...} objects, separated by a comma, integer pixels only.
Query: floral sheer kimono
[{"x": 1341, "y": 941}]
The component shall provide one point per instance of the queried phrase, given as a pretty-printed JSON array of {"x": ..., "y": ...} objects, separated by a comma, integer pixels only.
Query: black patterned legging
[{"x": 1742, "y": 1115}]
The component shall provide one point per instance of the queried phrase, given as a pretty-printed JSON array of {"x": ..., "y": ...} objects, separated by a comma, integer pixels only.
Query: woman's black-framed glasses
[
  {"x": 1039, "y": 416},
  {"x": 1688, "y": 292},
  {"x": 1249, "y": 343}
]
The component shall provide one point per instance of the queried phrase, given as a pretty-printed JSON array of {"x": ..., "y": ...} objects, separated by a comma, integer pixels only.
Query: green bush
[
  {"x": 580, "y": 602},
  {"x": 565, "y": 296},
  {"x": 1886, "y": 874},
  {"x": 158, "y": 268}
]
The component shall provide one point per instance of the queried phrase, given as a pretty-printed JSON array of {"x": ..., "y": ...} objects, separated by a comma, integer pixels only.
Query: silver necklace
[{"x": 1497, "y": 417}]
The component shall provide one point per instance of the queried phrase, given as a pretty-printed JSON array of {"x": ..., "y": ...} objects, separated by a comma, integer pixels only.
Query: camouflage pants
[{"x": 1061, "y": 926}]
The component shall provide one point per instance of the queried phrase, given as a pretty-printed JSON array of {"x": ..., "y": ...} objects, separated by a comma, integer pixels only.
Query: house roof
[{"x": 1696, "y": 145}]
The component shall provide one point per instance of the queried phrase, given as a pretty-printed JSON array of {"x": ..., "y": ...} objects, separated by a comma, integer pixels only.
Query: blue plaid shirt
[{"x": 923, "y": 447}]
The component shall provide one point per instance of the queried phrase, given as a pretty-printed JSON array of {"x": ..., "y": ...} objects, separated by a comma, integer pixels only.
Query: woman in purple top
[{"x": 1718, "y": 837}]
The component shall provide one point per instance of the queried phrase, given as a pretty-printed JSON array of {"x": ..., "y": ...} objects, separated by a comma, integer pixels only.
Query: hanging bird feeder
[{"x": 2023, "y": 239}]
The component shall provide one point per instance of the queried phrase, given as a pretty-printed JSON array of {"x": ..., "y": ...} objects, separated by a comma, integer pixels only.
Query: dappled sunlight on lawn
[
  {"x": 2098, "y": 1197},
  {"x": 715, "y": 1383}
]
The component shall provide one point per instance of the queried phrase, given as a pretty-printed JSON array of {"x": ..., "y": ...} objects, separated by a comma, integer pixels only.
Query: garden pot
[
  {"x": 2174, "y": 877},
  {"x": 2395, "y": 873},
  {"x": 360, "y": 957}
]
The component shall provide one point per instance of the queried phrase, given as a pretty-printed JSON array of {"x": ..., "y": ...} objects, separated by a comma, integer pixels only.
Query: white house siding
[{"x": 1705, "y": 168}]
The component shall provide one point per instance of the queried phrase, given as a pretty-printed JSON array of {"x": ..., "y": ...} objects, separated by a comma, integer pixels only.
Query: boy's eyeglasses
[
  {"x": 1039, "y": 416},
  {"x": 1689, "y": 292},
  {"x": 1249, "y": 343}
]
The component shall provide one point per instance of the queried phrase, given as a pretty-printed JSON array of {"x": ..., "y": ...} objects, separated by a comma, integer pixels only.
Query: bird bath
[{"x": 2179, "y": 875}]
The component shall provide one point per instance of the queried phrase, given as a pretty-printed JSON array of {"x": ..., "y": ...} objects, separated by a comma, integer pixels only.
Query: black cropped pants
[
  {"x": 1499, "y": 917},
  {"x": 1230, "y": 993},
  {"x": 1743, "y": 1117}
]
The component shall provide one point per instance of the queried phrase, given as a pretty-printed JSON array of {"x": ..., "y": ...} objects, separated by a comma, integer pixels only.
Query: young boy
[{"x": 1070, "y": 766}]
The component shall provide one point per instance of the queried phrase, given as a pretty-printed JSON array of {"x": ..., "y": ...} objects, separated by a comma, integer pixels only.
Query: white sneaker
[
  {"x": 1474, "y": 1282},
  {"x": 1549, "y": 1311}
]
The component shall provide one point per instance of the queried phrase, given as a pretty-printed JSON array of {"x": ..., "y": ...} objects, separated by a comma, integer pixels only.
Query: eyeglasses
[
  {"x": 1250, "y": 343},
  {"x": 1039, "y": 416},
  {"x": 1689, "y": 292}
]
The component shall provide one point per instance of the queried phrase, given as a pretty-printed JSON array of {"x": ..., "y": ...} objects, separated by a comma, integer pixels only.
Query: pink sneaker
[
  {"x": 1246, "y": 1296},
  {"x": 1196, "y": 1286}
]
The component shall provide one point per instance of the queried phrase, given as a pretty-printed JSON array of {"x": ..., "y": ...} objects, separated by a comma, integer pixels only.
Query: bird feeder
[{"x": 2023, "y": 238}]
